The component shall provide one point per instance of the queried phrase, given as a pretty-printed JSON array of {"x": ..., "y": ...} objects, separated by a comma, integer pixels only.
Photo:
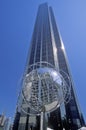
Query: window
[
  {"x": 77, "y": 122},
  {"x": 73, "y": 108}
]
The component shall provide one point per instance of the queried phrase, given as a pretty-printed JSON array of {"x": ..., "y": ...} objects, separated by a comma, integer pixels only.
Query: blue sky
[{"x": 17, "y": 18}]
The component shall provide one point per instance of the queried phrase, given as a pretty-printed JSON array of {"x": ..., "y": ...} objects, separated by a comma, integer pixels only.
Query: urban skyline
[{"x": 69, "y": 62}]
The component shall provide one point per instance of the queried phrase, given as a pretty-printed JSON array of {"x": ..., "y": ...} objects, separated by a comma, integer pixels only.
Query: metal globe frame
[{"x": 42, "y": 71}]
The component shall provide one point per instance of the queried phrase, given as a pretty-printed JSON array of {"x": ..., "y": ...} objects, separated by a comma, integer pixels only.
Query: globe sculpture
[{"x": 45, "y": 88}]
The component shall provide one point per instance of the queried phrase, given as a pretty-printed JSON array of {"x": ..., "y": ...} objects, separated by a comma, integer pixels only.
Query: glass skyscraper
[{"x": 47, "y": 46}]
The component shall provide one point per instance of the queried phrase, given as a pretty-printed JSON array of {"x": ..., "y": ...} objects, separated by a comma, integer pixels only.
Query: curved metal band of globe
[
  {"x": 66, "y": 87},
  {"x": 38, "y": 65},
  {"x": 45, "y": 87}
]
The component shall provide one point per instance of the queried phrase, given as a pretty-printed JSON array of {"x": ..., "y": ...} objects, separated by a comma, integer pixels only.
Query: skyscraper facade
[{"x": 47, "y": 47}]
